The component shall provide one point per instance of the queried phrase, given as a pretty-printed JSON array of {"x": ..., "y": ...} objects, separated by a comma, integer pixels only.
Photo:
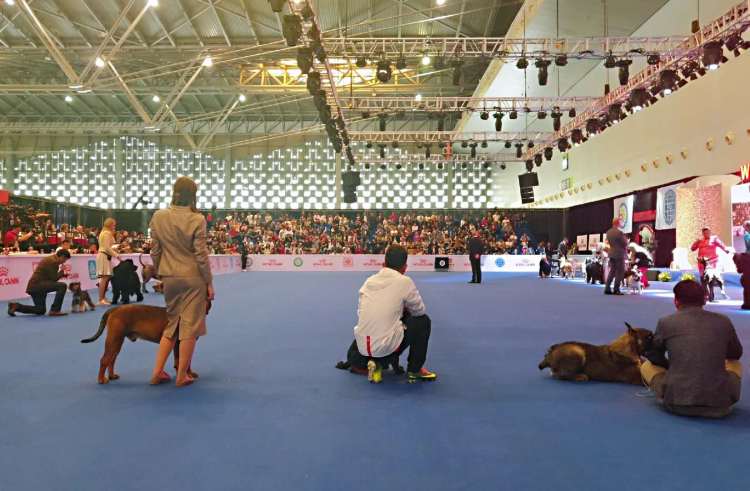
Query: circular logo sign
[
  {"x": 443, "y": 263},
  {"x": 499, "y": 262},
  {"x": 669, "y": 206},
  {"x": 249, "y": 262},
  {"x": 623, "y": 214},
  {"x": 298, "y": 262}
]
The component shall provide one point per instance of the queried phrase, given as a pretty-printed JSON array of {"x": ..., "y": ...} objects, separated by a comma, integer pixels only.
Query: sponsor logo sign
[
  {"x": 323, "y": 263},
  {"x": 348, "y": 262},
  {"x": 6, "y": 279},
  {"x": 92, "y": 269},
  {"x": 298, "y": 262},
  {"x": 499, "y": 262},
  {"x": 272, "y": 263}
]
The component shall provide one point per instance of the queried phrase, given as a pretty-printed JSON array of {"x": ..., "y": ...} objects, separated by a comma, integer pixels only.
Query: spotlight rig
[
  {"x": 383, "y": 71},
  {"x": 542, "y": 75}
]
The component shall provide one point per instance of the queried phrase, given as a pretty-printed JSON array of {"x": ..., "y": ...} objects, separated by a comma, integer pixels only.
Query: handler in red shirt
[{"x": 706, "y": 247}]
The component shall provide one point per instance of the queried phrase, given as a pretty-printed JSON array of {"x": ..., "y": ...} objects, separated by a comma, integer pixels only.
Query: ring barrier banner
[{"x": 15, "y": 270}]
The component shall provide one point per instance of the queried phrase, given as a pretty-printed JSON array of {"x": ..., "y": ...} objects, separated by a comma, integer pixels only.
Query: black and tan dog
[
  {"x": 81, "y": 299},
  {"x": 133, "y": 322},
  {"x": 615, "y": 362}
]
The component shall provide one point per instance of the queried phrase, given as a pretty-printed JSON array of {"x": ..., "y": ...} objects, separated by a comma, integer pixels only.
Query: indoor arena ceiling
[{"x": 88, "y": 67}]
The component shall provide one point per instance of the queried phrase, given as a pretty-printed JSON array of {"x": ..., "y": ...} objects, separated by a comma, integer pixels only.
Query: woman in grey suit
[{"x": 180, "y": 255}]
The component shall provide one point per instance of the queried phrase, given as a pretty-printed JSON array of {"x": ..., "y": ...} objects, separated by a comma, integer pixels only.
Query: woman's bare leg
[
  {"x": 187, "y": 346},
  {"x": 103, "y": 282},
  {"x": 165, "y": 348}
]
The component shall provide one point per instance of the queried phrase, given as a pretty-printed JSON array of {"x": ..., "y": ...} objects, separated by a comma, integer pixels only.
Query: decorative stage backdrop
[{"x": 16, "y": 270}]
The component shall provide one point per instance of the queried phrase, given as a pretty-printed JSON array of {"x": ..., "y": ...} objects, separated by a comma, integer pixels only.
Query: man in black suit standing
[
  {"x": 617, "y": 252},
  {"x": 476, "y": 249}
]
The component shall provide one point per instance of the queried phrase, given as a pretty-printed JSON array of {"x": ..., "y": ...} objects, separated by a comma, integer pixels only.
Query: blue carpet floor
[{"x": 270, "y": 411}]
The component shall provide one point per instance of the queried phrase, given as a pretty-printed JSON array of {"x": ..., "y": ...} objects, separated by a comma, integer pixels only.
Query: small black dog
[
  {"x": 81, "y": 299},
  {"x": 357, "y": 363},
  {"x": 594, "y": 271},
  {"x": 125, "y": 282}
]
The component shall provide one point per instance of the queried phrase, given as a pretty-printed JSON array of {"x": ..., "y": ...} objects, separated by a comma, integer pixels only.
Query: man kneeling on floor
[
  {"x": 391, "y": 318},
  {"x": 702, "y": 375},
  {"x": 44, "y": 280}
]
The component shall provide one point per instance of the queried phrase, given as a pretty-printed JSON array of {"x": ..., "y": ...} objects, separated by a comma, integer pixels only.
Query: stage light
[
  {"x": 623, "y": 74},
  {"x": 439, "y": 63},
  {"x": 398, "y": 166},
  {"x": 508, "y": 144},
  {"x": 464, "y": 166},
  {"x": 464, "y": 144},
  {"x": 361, "y": 62},
  {"x": 538, "y": 160},
  {"x": 291, "y": 29},
  {"x": 556, "y": 118},
  {"x": 441, "y": 122},
  {"x": 503, "y": 166},
  {"x": 610, "y": 61},
  {"x": 426, "y": 60},
  {"x": 530, "y": 144},
  {"x": 439, "y": 3},
  {"x": 614, "y": 113},
  {"x": 383, "y": 71},
  {"x": 529, "y": 166},
  {"x": 576, "y": 136},
  {"x": 735, "y": 43},
  {"x": 208, "y": 62},
  {"x": 153, "y": 3},
  {"x": 457, "y": 71},
  {"x": 690, "y": 70},
  {"x": 513, "y": 114},
  {"x": 68, "y": 99},
  {"x": 593, "y": 126},
  {"x": 473, "y": 150},
  {"x": 368, "y": 145},
  {"x": 541, "y": 115},
  {"x": 366, "y": 114},
  {"x": 10, "y": 2},
  {"x": 484, "y": 144},
  {"x": 572, "y": 112},
  {"x": 427, "y": 151},
  {"x": 543, "y": 73},
  {"x": 522, "y": 63},
  {"x": 243, "y": 97},
  {"x": 561, "y": 60},
  {"x": 418, "y": 97},
  {"x": 382, "y": 151},
  {"x": 638, "y": 99},
  {"x": 304, "y": 59},
  {"x": 653, "y": 59},
  {"x": 277, "y": 5},
  {"x": 313, "y": 82},
  {"x": 440, "y": 166},
  {"x": 548, "y": 153},
  {"x": 382, "y": 118},
  {"x": 401, "y": 63},
  {"x": 484, "y": 115},
  {"x": 394, "y": 144},
  {"x": 498, "y": 121},
  {"x": 519, "y": 150},
  {"x": 668, "y": 81},
  {"x": 99, "y": 62},
  {"x": 713, "y": 54},
  {"x": 562, "y": 144},
  {"x": 156, "y": 98}
]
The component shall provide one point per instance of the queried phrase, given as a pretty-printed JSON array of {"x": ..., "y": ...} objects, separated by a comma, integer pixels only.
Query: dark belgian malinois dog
[
  {"x": 132, "y": 322},
  {"x": 615, "y": 362}
]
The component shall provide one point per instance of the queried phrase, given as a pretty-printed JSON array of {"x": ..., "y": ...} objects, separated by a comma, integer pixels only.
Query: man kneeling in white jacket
[{"x": 391, "y": 318}]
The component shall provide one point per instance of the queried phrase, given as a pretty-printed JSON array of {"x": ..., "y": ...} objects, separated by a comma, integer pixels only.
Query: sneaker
[
  {"x": 12, "y": 306},
  {"x": 374, "y": 372},
  {"x": 423, "y": 374},
  {"x": 57, "y": 313}
]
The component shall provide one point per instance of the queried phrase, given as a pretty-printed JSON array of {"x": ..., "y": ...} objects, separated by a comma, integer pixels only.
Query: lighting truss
[
  {"x": 443, "y": 136},
  {"x": 689, "y": 50},
  {"x": 374, "y": 158},
  {"x": 459, "y": 104}
]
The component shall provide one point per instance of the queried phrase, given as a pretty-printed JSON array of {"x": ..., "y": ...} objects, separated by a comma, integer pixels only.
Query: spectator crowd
[{"x": 25, "y": 229}]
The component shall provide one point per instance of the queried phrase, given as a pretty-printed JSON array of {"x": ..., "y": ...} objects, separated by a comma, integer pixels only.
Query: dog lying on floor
[
  {"x": 133, "y": 322},
  {"x": 357, "y": 363},
  {"x": 125, "y": 282},
  {"x": 81, "y": 299},
  {"x": 618, "y": 361}
]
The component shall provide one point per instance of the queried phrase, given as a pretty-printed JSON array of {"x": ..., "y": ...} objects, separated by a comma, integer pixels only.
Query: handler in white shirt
[{"x": 392, "y": 317}]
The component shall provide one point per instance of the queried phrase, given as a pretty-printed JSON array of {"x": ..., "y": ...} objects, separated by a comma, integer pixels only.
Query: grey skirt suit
[{"x": 180, "y": 255}]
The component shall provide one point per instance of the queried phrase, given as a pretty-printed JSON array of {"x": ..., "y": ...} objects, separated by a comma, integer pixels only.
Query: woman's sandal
[
  {"x": 187, "y": 382},
  {"x": 162, "y": 378}
]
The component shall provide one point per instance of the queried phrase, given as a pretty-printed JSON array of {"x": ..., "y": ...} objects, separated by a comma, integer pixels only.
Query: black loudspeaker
[
  {"x": 528, "y": 180},
  {"x": 442, "y": 263},
  {"x": 527, "y": 195}
]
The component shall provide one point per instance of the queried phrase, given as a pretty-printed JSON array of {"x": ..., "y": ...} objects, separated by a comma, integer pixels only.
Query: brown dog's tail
[{"x": 102, "y": 325}]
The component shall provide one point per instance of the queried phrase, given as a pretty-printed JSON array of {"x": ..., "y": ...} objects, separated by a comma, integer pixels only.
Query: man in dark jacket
[
  {"x": 476, "y": 249},
  {"x": 702, "y": 376},
  {"x": 44, "y": 280},
  {"x": 617, "y": 253}
]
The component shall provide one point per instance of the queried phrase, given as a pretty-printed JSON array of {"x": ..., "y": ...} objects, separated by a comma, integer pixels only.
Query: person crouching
[{"x": 392, "y": 317}]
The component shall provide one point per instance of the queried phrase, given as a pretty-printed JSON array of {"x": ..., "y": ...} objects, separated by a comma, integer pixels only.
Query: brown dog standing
[{"x": 132, "y": 322}]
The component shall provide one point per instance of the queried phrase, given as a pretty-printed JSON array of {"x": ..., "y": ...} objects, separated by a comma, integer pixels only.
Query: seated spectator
[
  {"x": 44, "y": 280},
  {"x": 392, "y": 317},
  {"x": 701, "y": 376}
]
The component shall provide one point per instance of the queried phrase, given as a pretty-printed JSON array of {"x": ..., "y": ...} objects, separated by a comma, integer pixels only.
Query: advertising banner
[
  {"x": 624, "y": 210},
  {"x": 582, "y": 242},
  {"x": 594, "y": 241},
  {"x": 666, "y": 207}
]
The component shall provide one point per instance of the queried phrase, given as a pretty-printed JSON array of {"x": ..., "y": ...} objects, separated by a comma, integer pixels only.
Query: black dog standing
[
  {"x": 125, "y": 282},
  {"x": 476, "y": 249}
]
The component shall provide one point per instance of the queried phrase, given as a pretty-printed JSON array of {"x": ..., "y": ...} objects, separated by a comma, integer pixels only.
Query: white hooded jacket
[{"x": 382, "y": 301}]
